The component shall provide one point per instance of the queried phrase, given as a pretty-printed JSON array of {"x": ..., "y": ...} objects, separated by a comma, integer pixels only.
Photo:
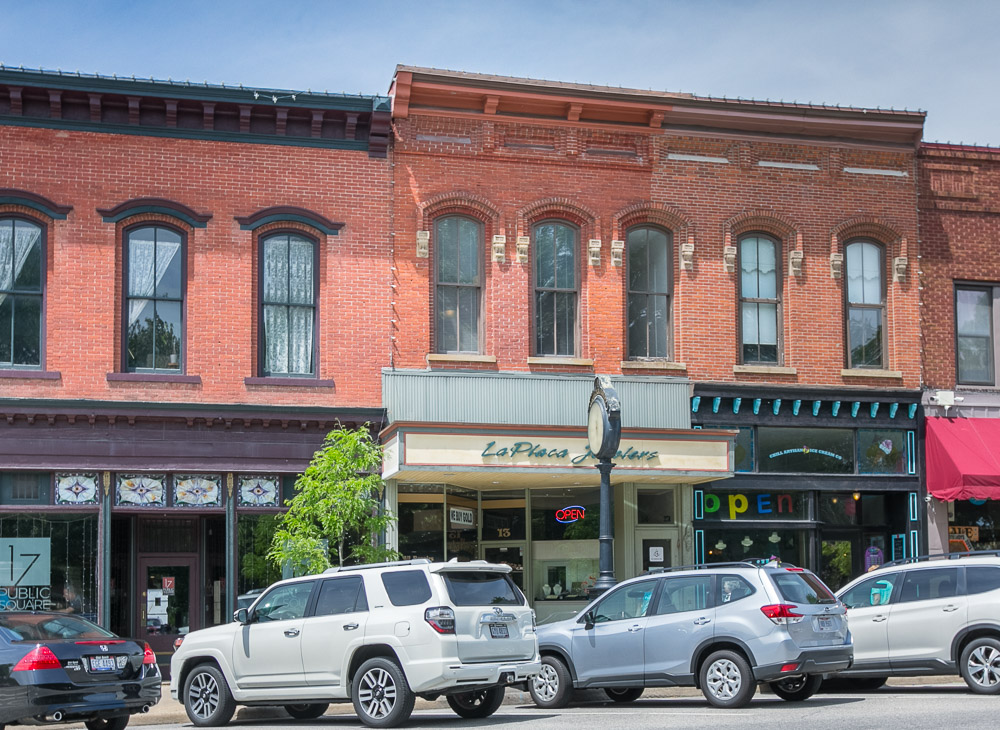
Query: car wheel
[
  {"x": 980, "y": 666},
  {"x": 623, "y": 694},
  {"x": 307, "y": 712},
  {"x": 381, "y": 694},
  {"x": 110, "y": 723},
  {"x": 796, "y": 689},
  {"x": 552, "y": 687},
  {"x": 207, "y": 699},
  {"x": 478, "y": 704},
  {"x": 726, "y": 680}
]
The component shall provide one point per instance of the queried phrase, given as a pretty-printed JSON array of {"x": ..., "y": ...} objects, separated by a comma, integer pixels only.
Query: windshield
[
  {"x": 46, "y": 627},
  {"x": 476, "y": 588},
  {"x": 802, "y": 587}
]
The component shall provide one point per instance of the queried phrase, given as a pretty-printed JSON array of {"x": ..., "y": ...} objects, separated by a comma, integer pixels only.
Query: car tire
[
  {"x": 796, "y": 689},
  {"x": 726, "y": 680},
  {"x": 307, "y": 712},
  {"x": 207, "y": 699},
  {"x": 382, "y": 697},
  {"x": 980, "y": 665},
  {"x": 477, "y": 704},
  {"x": 552, "y": 687},
  {"x": 109, "y": 723},
  {"x": 623, "y": 694}
]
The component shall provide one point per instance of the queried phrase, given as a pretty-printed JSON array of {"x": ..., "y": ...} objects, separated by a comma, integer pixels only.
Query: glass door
[
  {"x": 511, "y": 554},
  {"x": 168, "y": 591},
  {"x": 841, "y": 558}
]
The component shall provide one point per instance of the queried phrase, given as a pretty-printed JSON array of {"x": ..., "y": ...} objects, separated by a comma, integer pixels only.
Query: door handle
[
  {"x": 950, "y": 608},
  {"x": 879, "y": 618},
  {"x": 634, "y": 629},
  {"x": 350, "y": 627},
  {"x": 701, "y": 621},
  {"x": 291, "y": 633}
]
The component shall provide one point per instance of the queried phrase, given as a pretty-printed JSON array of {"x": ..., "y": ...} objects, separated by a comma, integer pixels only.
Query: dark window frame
[
  {"x": 882, "y": 306},
  {"x": 480, "y": 287},
  {"x": 669, "y": 295},
  {"x": 993, "y": 291},
  {"x": 535, "y": 289},
  {"x": 42, "y": 293},
  {"x": 182, "y": 360},
  {"x": 778, "y": 301},
  {"x": 261, "y": 303}
]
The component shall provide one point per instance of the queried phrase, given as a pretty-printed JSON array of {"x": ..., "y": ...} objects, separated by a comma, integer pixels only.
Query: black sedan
[{"x": 57, "y": 667}]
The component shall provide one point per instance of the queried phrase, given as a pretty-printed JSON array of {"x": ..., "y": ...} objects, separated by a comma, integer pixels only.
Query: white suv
[{"x": 377, "y": 635}]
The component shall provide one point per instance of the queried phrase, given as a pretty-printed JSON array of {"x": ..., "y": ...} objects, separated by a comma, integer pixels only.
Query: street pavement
[{"x": 904, "y": 704}]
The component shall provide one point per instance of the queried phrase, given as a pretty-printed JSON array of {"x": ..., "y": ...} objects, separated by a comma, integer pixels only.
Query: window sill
[
  {"x": 870, "y": 373},
  {"x": 153, "y": 378},
  {"x": 433, "y": 357},
  {"x": 653, "y": 365},
  {"x": 764, "y": 370},
  {"x": 31, "y": 374},
  {"x": 290, "y": 382},
  {"x": 577, "y": 362}
]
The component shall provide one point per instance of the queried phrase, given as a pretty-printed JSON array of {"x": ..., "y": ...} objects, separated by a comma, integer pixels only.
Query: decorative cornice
[
  {"x": 280, "y": 213},
  {"x": 10, "y": 196},
  {"x": 159, "y": 206}
]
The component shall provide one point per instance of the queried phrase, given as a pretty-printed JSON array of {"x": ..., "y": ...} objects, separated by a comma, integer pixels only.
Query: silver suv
[
  {"x": 930, "y": 615},
  {"x": 375, "y": 635},
  {"x": 721, "y": 627}
]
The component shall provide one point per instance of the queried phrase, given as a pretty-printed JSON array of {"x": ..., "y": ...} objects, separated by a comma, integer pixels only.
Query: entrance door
[
  {"x": 168, "y": 594},
  {"x": 841, "y": 559},
  {"x": 510, "y": 553}
]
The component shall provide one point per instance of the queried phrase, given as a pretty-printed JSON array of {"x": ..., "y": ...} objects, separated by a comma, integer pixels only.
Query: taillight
[
  {"x": 148, "y": 657},
  {"x": 97, "y": 642},
  {"x": 41, "y": 657},
  {"x": 441, "y": 619},
  {"x": 782, "y": 613}
]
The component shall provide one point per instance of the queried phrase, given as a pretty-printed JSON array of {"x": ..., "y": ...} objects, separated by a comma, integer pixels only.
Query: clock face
[{"x": 597, "y": 423}]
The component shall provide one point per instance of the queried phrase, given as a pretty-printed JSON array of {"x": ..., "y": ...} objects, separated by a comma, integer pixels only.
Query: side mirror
[
  {"x": 588, "y": 620},
  {"x": 242, "y": 616}
]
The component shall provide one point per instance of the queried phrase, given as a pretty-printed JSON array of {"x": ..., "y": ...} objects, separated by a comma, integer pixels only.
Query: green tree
[{"x": 336, "y": 514}]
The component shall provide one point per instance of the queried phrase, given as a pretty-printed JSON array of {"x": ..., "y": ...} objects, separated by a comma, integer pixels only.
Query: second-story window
[
  {"x": 555, "y": 289},
  {"x": 974, "y": 334},
  {"x": 458, "y": 258},
  {"x": 759, "y": 300},
  {"x": 288, "y": 305},
  {"x": 650, "y": 286},
  {"x": 154, "y": 301},
  {"x": 865, "y": 305},
  {"x": 21, "y": 282}
]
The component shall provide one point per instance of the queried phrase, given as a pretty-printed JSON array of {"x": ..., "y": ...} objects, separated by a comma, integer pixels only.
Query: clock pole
[{"x": 604, "y": 435}]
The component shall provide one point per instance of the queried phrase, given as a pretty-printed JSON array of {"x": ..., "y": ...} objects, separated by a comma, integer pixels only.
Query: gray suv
[{"x": 722, "y": 627}]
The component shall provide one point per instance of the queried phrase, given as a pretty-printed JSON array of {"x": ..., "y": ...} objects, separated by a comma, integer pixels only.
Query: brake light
[
  {"x": 796, "y": 570},
  {"x": 101, "y": 641},
  {"x": 789, "y": 667},
  {"x": 148, "y": 657},
  {"x": 441, "y": 619},
  {"x": 782, "y": 613},
  {"x": 41, "y": 657}
]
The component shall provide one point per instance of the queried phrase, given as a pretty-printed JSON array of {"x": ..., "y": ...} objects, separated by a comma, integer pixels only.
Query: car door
[
  {"x": 682, "y": 618},
  {"x": 868, "y": 604},
  {"x": 267, "y": 651},
  {"x": 929, "y": 613},
  {"x": 611, "y": 648},
  {"x": 334, "y": 630}
]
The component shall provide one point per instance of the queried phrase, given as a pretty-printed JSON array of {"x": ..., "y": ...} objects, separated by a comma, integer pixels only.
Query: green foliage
[
  {"x": 336, "y": 514},
  {"x": 837, "y": 568}
]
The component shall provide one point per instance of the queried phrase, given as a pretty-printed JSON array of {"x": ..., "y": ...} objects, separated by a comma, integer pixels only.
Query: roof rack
[
  {"x": 389, "y": 564},
  {"x": 942, "y": 556},
  {"x": 749, "y": 563}
]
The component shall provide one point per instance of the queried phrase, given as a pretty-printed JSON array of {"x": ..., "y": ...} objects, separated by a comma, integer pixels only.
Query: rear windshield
[
  {"x": 802, "y": 587},
  {"x": 475, "y": 588},
  {"x": 406, "y": 587},
  {"x": 34, "y": 627}
]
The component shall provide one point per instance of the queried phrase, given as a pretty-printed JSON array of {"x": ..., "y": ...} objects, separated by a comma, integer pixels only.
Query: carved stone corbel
[
  {"x": 687, "y": 257},
  {"x": 617, "y": 252},
  {"x": 499, "y": 249},
  {"x": 522, "y": 249},
  {"x": 899, "y": 265},
  {"x": 836, "y": 264},
  {"x": 423, "y": 244},
  {"x": 729, "y": 259},
  {"x": 594, "y": 252},
  {"x": 795, "y": 263}
]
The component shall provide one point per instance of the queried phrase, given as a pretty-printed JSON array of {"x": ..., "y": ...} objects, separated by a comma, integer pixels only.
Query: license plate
[
  {"x": 499, "y": 631},
  {"x": 825, "y": 623},
  {"x": 102, "y": 664}
]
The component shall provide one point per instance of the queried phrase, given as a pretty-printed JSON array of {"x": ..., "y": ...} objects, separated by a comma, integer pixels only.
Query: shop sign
[
  {"x": 754, "y": 506},
  {"x": 169, "y": 583},
  {"x": 461, "y": 517},
  {"x": 569, "y": 515},
  {"x": 533, "y": 450},
  {"x": 25, "y": 574},
  {"x": 970, "y": 532}
]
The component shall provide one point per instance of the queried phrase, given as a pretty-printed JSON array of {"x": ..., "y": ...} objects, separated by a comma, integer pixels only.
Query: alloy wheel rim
[
  {"x": 724, "y": 679},
  {"x": 203, "y": 695},
  {"x": 377, "y": 694},
  {"x": 546, "y": 683},
  {"x": 984, "y": 666}
]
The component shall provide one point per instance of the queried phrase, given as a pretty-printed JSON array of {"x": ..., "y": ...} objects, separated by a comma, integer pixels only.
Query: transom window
[
  {"x": 154, "y": 302},
  {"x": 650, "y": 286},
  {"x": 21, "y": 281},
  {"x": 288, "y": 305},
  {"x": 974, "y": 340},
  {"x": 555, "y": 289},
  {"x": 458, "y": 257},
  {"x": 759, "y": 299},
  {"x": 865, "y": 305}
]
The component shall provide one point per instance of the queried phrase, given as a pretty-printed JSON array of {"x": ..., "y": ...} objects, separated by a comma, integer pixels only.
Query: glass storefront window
[
  {"x": 463, "y": 522},
  {"x": 565, "y": 524},
  {"x": 752, "y": 505},
  {"x": 756, "y": 544},
  {"x": 743, "y": 452},
  {"x": 838, "y": 508},
  {"x": 421, "y": 521},
  {"x": 655, "y": 506},
  {"x": 504, "y": 515},
  {"x": 566, "y": 514},
  {"x": 975, "y": 526},
  {"x": 806, "y": 450},
  {"x": 881, "y": 451},
  {"x": 256, "y": 572}
]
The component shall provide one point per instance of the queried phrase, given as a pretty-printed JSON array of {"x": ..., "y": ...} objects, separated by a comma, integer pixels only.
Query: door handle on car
[
  {"x": 633, "y": 629},
  {"x": 291, "y": 633},
  {"x": 880, "y": 618},
  {"x": 701, "y": 621},
  {"x": 950, "y": 608},
  {"x": 350, "y": 627}
]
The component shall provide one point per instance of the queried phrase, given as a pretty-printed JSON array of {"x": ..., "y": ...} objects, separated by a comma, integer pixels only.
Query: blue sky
[{"x": 943, "y": 57}]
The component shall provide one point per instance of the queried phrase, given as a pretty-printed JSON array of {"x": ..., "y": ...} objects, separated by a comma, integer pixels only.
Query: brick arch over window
[
  {"x": 879, "y": 230},
  {"x": 658, "y": 214},
  {"x": 584, "y": 218},
  {"x": 158, "y": 206},
  {"x": 458, "y": 203},
  {"x": 787, "y": 231}
]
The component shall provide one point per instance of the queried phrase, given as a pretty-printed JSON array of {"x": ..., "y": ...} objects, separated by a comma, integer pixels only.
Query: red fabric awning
[{"x": 963, "y": 458}]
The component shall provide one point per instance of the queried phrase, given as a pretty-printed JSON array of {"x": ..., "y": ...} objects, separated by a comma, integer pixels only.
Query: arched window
[
  {"x": 865, "y": 305},
  {"x": 288, "y": 305},
  {"x": 760, "y": 300},
  {"x": 555, "y": 247},
  {"x": 458, "y": 246},
  {"x": 154, "y": 299},
  {"x": 650, "y": 290},
  {"x": 22, "y": 282}
]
